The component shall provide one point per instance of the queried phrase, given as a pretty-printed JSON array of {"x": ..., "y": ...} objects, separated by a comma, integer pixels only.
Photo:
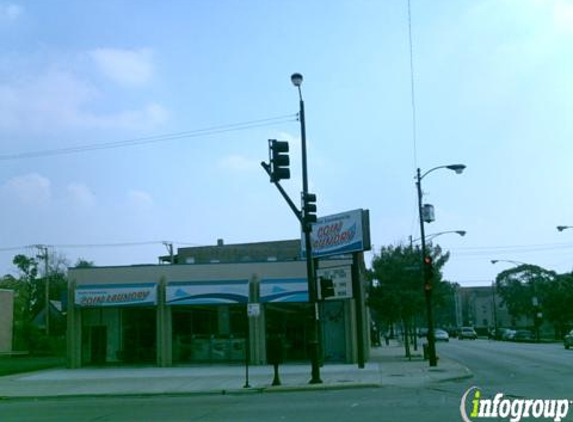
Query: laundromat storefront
[
  {"x": 210, "y": 322},
  {"x": 118, "y": 323},
  {"x": 198, "y": 313}
]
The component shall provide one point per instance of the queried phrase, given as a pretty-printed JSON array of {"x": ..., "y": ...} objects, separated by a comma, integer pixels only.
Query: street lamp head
[
  {"x": 561, "y": 228},
  {"x": 296, "y": 79},
  {"x": 458, "y": 168},
  {"x": 461, "y": 232},
  {"x": 494, "y": 261}
]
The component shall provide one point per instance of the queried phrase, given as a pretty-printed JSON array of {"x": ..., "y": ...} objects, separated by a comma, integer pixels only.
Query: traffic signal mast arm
[{"x": 291, "y": 204}]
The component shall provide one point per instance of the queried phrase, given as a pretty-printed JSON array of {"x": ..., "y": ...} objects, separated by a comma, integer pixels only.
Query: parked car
[
  {"x": 467, "y": 332},
  {"x": 422, "y": 332},
  {"x": 508, "y": 335},
  {"x": 441, "y": 335},
  {"x": 568, "y": 340},
  {"x": 523, "y": 335}
]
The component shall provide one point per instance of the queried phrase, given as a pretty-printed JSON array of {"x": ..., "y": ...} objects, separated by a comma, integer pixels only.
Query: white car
[{"x": 441, "y": 335}]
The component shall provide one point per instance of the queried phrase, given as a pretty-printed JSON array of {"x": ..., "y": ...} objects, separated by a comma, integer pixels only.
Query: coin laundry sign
[
  {"x": 116, "y": 295},
  {"x": 340, "y": 234}
]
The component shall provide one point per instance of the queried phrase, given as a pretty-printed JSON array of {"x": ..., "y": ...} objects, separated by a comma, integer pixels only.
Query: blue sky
[{"x": 493, "y": 90}]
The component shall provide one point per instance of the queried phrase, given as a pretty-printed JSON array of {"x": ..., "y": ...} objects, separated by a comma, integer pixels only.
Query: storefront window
[{"x": 209, "y": 333}]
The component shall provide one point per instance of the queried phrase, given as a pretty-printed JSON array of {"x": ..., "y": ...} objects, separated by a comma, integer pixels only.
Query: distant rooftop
[{"x": 280, "y": 250}]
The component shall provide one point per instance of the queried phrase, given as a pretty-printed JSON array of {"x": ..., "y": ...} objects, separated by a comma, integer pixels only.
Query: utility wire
[
  {"x": 99, "y": 245},
  {"x": 412, "y": 87},
  {"x": 153, "y": 139}
]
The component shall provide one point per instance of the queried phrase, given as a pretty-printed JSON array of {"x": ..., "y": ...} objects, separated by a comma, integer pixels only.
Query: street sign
[
  {"x": 341, "y": 277},
  {"x": 253, "y": 309}
]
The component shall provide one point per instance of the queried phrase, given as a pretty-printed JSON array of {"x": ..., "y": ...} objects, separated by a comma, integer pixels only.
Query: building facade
[
  {"x": 6, "y": 320},
  {"x": 220, "y": 306},
  {"x": 482, "y": 308}
]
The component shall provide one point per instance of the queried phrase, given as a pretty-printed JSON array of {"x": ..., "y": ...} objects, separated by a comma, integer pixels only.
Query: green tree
[
  {"x": 520, "y": 285},
  {"x": 556, "y": 301},
  {"x": 397, "y": 289},
  {"x": 30, "y": 298}
]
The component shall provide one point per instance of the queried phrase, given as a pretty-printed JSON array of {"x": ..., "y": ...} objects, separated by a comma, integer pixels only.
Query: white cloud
[
  {"x": 140, "y": 199},
  {"x": 10, "y": 11},
  {"x": 30, "y": 189},
  {"x": 563, "y": 15},
  {"x": 238, "y": 163},
  {"x": 126, "y": 67},
  {"x": 59, "y": 99},
  {"x": 81, "y": 195}
]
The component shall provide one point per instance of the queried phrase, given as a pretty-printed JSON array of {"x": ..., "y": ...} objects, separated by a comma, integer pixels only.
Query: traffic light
[
  {"x": 278, "y": 154},
  {"x": 309, "y": 207},
  {"x": 428, "y": 270},
  {"x": 326, "y": 288}
]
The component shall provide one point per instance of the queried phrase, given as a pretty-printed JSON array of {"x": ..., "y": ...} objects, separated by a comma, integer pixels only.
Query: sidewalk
[{"x": 387, "y": 367}]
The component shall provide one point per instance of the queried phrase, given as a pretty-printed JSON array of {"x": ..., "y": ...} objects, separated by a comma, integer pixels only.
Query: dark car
[{"x": 524, "y": 336}]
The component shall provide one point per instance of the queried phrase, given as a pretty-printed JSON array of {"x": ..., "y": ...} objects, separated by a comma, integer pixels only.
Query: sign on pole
[
  {"x": 341, "y": 277},
  {"x": 253, "y": 309},
  {"x": 340, "y": 234}
]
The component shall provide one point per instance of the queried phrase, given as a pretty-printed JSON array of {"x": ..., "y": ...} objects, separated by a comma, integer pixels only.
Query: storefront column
[
  {"x": 164, "y": 349},
  {"x": 74, "y": 330}
]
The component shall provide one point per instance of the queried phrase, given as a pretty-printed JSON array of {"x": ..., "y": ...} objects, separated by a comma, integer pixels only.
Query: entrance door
[
  {"x": 333, "y": 332},
  {"x": 98, "y": 342}
]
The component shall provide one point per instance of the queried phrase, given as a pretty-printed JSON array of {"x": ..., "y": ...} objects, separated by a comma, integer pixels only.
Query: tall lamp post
[
  {"x": 296, "y": 79},
  {"x": 458, "y": 168}
]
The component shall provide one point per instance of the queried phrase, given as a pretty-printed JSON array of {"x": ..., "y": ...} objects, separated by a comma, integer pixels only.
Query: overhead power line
[
  {"x": 153, "y": 139},
  {"x": 99, "y": 245}
]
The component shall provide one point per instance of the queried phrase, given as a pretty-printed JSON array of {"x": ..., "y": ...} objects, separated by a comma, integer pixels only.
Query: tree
[
  {"x": 30, "y": 298},
  {"x": 83, "y": 263},
  {"x": 397, "y": 289},
  {"x": 556, "y": 303},
  {"x": 523, "y": 288}
]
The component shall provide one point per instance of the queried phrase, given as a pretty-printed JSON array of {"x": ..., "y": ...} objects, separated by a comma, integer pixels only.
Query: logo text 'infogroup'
[{"x": 509, "y": 408}]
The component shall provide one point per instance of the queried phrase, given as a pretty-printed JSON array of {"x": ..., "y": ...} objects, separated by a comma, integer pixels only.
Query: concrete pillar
[
  {"x": 163, "y": 337},
  {"x": 74, "y": 330}
]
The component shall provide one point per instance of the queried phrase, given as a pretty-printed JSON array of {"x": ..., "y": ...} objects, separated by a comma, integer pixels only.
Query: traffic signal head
[
  {"x": 309, "y": 208},
  {"x": 278, "y": 154},
  {"x": 326, "y": 288},
  {"x": 428, "y": 268}
]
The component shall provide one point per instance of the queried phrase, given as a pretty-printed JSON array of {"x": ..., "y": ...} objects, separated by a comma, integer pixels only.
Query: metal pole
[
  {"x": 358, "y": 296},
  {"x": 247, "y": 351},
  {"x": 494, "y": 308},
  {"x": 427, "y": 289},
  {"x": 306, "y": 227}
]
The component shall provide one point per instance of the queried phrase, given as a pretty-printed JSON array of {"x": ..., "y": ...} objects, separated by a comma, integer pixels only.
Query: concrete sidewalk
[{"x": 388, "y": 367}]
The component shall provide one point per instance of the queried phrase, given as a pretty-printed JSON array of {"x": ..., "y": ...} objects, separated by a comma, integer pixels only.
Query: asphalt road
[{"x": 536, "y": 371}]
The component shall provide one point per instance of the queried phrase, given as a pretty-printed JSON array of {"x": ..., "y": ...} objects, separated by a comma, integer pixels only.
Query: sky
[{"x": 196, "y": 88}]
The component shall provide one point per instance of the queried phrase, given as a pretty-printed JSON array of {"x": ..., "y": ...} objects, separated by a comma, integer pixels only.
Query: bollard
[{"x": 275, "y": 355}]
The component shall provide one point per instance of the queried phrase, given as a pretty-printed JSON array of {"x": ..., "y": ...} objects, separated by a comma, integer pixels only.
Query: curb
[{"x": 216, "y": 392}]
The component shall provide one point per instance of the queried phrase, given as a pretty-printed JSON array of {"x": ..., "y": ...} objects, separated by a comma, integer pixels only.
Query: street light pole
[
  {"x": 429, "y": 237},
  {"x": 427, "y": 291},
  {"x": 296, "y": 79},
  {"x": 458, "y": 168}
]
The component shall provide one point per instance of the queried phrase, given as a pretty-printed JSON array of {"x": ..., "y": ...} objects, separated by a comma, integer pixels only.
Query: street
[{"x": 516, "y": 370}]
